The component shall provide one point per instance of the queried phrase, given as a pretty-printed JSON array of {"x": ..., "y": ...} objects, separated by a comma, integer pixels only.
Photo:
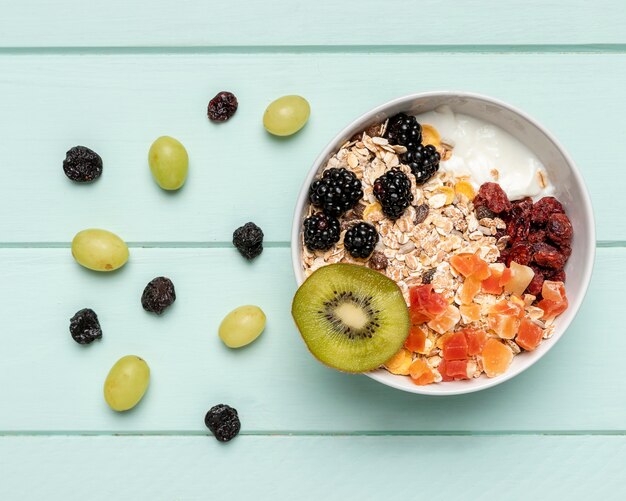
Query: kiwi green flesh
[{"x": 351, "y": 318}]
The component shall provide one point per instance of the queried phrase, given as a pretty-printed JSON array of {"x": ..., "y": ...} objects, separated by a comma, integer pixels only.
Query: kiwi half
[{"x": 351, "y": 318}]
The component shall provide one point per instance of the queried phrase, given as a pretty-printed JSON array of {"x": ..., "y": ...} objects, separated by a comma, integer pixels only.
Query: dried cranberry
[
  {"x": 535, "y": 235},
  {"x": 523, "y": 206},
  {"x": 518, "y": 229},
  {"x": 555, "y": 275},
  {"x": 493, "y": 197},
  {"x": 535, "y": 285},
  {"x": 544, "y": 208},
  {"x": 547, "y": 256},
  {"x": 559, "y": 229},
  {"x": 222, "y": 106},
  {"x": 566, "y": 250},
  {"x": 520, "y": 253},
  {"x": 502, "y": 258}
]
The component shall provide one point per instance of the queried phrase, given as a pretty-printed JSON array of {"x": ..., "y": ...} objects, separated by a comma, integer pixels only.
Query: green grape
[
  {"x": 286, "y": 116},
  {"x": 242, "y": 326},
  {"x": 126, "y": 383},
  {"x": 169, "y": 163},
  {"x": 99, "y": 250}
]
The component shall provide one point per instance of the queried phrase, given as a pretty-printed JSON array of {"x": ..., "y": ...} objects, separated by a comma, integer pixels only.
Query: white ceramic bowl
[{"x": 570, "y": 190}]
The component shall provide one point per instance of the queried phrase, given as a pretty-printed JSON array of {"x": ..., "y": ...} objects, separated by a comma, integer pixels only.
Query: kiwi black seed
[{"x": 352, "y": 318}]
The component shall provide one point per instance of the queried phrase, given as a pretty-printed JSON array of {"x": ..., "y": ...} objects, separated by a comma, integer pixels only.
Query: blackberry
[
  {"x": 360, "y": 240},
  {"x": 404, "y": 130},
  {"x": 223, "y": 421},
  {"x": 248, "y": 239},
  {"x": 321, "y": 232},
  {"x": 393, "y": 191},
  {"x": 423, "y": 162},
  {"x": 337, "y": 191},
  {"x": 85, "y": 327},
  {"x": 82, "y": 164},
  {"x": 158, "y": 295}
]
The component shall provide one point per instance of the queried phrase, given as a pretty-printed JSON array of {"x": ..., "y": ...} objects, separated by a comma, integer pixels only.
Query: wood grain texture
[
  {"x": 50, "y": 383},
  {"x": 69, "y": 23},
  {"x": 118, "y": 105},
  {"x": 330, "y": 468}
]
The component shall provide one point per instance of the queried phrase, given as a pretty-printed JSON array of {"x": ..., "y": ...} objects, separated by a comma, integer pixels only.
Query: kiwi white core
[{"x": 352, "y": 315}]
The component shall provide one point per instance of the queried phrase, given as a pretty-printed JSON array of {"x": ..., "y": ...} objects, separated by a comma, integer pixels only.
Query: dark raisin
[
  {"x": 223, "y": 421},
  {"x": 559, "y": 229},
  {"x": 85, "y": 327},
  {"x": 222, "y": 106},
  {"x": 248, "y": 239},
  {"x": 378, "y": 261},
  {"x": 358, "y": 210},
  {"x": 483, "y": 212},
  {"x": 158, "y": 295},
  {"x": 492, "y": 195},
  {"x": 427, "y": 276},
  {"x": 544, "y": 208},
  {"x": 520, "y": 253},
  {"x": 421, "y": 213},
  {"x": 82, "y": 164}
]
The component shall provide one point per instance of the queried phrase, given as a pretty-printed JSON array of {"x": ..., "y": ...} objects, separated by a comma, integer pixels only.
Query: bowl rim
[{"x": 590, "y": 244}]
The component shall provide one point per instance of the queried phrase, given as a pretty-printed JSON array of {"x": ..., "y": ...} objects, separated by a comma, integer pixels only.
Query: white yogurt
[{"x": 487, "y": 153}]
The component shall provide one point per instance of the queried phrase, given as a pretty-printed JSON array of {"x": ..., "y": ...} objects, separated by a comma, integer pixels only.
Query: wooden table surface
[{"x": 115, "y": 75}]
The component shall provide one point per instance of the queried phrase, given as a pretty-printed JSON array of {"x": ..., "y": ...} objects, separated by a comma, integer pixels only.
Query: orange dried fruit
[
  {"x": 476, "y": 339},
  {"x": 446, "y": 321},
  {"x": 470, "y": 265},
  {"x": 469, "y": 289},
  {"x": 421, "y": 373},
  {"x": 554, "y": 300},
  {"x": 466, "y": 189},
  {"x": 529, "y": 335},
  {"x": 496, "y": 357},
  {"x": 416, "y": 342},
  {"x": 491, "y": 285},
  {"x": 448, "y": 192},
  {"x": 399, "y": 363},
  {"x": 505, "y": 326},
  {"x": 451, "y": 370},
  {"x": 424, "y": 300},
  {"x": 455, "y": 347},
  {"x": 470, "y": 312}
]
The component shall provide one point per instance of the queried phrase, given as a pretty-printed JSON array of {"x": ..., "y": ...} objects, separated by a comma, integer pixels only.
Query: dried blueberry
[
  {"x": 223, "y": 422},
  {"x": 248, "y": 239},
  {"x": 158, "y": 295},
  {"x": 222, "y": 106},
  {"x": 85, "y": 327},
  {"x": 82, "y": 164}
]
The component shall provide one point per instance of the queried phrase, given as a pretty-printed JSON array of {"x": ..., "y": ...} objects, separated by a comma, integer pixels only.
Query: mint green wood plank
[
  {"x": 67, "y": 23},
  {"x": 119, "y": 104},
  {"x": 313, "y": 468},
  {"x": 49, "y": 383}
]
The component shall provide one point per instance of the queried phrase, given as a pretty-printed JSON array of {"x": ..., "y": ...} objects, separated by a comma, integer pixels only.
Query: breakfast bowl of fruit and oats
[{"x": 443, "y": 243}]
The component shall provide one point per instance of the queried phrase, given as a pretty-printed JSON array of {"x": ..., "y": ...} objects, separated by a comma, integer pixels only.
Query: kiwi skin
[{"x": 385, "y": 294}]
